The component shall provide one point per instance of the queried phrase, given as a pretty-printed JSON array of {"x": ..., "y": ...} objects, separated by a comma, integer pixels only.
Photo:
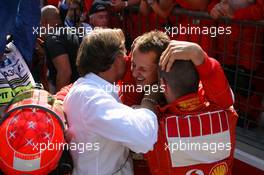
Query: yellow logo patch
[{"x": 219, "y": 169}]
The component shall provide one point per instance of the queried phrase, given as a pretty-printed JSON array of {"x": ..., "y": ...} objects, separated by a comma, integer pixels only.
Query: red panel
[
  {"x": 172, "y": 127},
  {"x": 184, "y": 127},
  {"x": 215, "y": 123},
  {"x": 224, "y": 121},
  {"x": 205, "y": 124},
  {"x": 195, "y": 124}
]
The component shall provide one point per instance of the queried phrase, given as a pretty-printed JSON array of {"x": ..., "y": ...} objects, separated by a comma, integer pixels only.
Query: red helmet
[{"x": 31, "y": 134}]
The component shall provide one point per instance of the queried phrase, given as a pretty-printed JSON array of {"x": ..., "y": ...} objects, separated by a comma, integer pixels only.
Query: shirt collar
[
  {"x": 109, "y": 88},
  {"x": 187, "y": 104}
]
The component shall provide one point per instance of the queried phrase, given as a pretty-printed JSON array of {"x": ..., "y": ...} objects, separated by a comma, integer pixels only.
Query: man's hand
[
  {"x": 39, "y": 48},
  {"x": 181, "y": 50},
  {"x": 222, "y": 9},
  {"x": 227, "y": 10}
]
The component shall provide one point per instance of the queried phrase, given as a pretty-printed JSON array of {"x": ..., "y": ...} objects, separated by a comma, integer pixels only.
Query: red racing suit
[
  {"x": 193, "y": 120},
  {"x": 199, "y": 119},
  {"x": 214, "y": 96}
]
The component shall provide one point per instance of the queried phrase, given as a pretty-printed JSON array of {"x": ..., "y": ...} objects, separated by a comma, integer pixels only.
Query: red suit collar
[{"x": 188, "y": 104}]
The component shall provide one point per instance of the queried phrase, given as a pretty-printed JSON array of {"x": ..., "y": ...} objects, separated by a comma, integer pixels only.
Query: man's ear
[{"x": 116, "y": 62}]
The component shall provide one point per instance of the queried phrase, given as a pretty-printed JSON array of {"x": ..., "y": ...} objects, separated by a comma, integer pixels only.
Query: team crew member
[
  {"x": 60, "y": 49},
  {"x": 95, "y": 114},
  {"x": 145, "y": 56},
  {"x": 142, "y": 63},
  {"x": 191, "y": 118}
]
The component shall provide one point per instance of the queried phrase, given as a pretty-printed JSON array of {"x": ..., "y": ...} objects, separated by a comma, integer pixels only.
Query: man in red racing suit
[{"x": 196, "y": 129}]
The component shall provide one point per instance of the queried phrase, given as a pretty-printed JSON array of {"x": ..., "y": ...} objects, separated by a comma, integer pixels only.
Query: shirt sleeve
[
  {"x": 55, "y": 46},
  {"x": 63, "y": 92},
  {"x": 215, "y": 84},
  {"x": 103, "y": 115}
]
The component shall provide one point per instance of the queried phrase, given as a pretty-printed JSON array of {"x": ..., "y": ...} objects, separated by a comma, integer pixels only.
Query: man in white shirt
[{"x": 97, "y": 118}]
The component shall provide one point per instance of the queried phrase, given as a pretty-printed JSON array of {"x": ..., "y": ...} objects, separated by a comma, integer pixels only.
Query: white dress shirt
[{"x": 96, "y": 117}]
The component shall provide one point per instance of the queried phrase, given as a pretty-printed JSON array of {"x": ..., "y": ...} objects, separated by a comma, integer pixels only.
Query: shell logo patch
[{"x": 219, "y": 169}]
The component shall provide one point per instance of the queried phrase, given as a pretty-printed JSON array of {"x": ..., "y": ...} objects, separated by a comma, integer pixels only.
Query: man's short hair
[
  {"x": 183, "y": 77},
  {"x": 155, "y": 41},
  {"x": 49, "y": 12},
  {"x": 99, "y": 49}
]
